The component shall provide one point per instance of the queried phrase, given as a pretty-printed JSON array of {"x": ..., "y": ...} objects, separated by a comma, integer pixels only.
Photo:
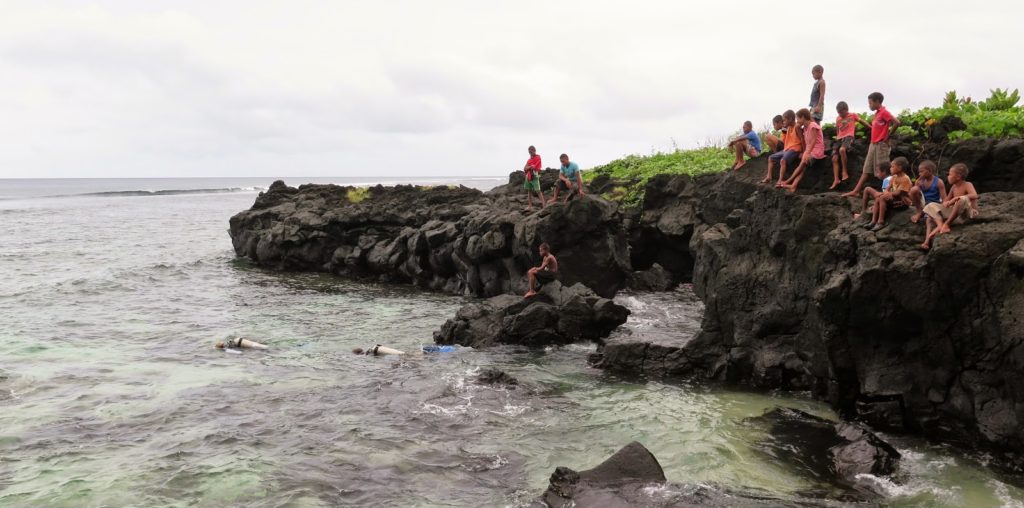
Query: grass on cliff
[
  {"x": 635, "y": 170},
  {"x": 999, "y": 116}
]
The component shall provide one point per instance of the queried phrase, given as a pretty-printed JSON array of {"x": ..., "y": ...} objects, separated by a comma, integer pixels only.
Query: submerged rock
[
  {"x": 494, "y": 376},
  {"x": 633, "y": 477},
  {"x": 557, "y": 315},
  {"x": 834, "y": 452}
]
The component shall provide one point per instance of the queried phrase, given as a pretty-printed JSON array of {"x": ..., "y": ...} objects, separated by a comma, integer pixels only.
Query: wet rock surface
[
  {"x": 832, "y": 452},
  {"x": 633, "y": 477},
  {"x": 556, "y": 315}
]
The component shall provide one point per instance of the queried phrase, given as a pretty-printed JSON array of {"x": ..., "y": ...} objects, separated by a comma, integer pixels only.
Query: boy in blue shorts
[{"x": 793, "y": 146}]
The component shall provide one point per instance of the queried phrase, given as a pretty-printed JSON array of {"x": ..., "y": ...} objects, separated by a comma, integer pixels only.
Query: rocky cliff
[{"x": 799, "y": 298}]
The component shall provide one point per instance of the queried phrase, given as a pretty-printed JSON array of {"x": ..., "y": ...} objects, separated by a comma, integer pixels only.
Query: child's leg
[
  {"x": 917, "y": 198},
  {"x": 953, "y": 214},
  {"x": 782, "y": 171},
  {"x": 869, "y": 193},
  {"x": 835, "y": 171},
  {"x": 768, "y": 176},
  {"x": 842, "y": 155},
  {"x": 738, "y": 148},
  {"x": 883, "y": 207},
  {"x": 927, "y": 243}
]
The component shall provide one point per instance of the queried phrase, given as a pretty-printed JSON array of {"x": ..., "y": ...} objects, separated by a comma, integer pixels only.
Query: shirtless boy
[
  {"x": 961, "y": 202},
  {"x": 547, "y": 270}
]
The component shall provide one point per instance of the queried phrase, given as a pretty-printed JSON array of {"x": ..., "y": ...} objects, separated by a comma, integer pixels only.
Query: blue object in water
[{"x": 438, "y": 349}]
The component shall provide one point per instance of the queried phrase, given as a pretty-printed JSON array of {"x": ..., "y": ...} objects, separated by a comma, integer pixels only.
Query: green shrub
[
  {"x": 357, "y": 194},
  {"x": 637, "y": 169},
  {"x": 999, "y": 116}
]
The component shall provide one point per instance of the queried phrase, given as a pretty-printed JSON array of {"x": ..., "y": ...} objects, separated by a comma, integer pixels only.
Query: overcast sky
[{"x": 393, "y": 88}]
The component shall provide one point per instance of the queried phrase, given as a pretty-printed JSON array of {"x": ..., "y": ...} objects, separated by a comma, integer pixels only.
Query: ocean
[{"x": 114, "y": 291}]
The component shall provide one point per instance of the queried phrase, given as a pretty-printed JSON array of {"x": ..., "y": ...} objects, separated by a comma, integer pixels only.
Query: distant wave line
[{"x": 166, "y": 192}]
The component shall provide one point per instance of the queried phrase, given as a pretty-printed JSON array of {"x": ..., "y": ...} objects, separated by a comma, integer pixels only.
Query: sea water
[{"x": 113, "y": 293}]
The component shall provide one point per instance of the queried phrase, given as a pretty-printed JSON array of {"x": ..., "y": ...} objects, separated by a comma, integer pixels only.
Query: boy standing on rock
[
  {"x": 881, "y": 128},
  {"x": 749, "y": 143},
  {"x": 817, "y": 103},
  {"x": 532, "y": 182},
  {"x": 962, "y": 202},
  {"x": 546, "y": 272},
  {"x": 846, "y": 130},
  {"x": 928, "y": 189}
]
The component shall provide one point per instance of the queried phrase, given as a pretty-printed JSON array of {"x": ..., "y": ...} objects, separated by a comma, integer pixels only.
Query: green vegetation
[
  {"x": 999, "y": 116},
  {"x": 635, "y": 170},
  {"x": 357, "y": 194}
]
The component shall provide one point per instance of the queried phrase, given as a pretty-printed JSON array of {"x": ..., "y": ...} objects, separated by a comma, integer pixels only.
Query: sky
[{"x": 453, "y": 88}]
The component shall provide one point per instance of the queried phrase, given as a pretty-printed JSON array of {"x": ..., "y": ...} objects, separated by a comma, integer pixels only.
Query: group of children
[
  {"x": 797, "y": 136},
  {"x": 929, "y": 196},
  {"x": 570, "y": 179}
]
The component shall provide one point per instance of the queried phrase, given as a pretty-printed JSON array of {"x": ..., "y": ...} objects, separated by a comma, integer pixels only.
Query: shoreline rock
[
  {"x": 557, "y": 315},
  {"x": 457, "y": 240}
]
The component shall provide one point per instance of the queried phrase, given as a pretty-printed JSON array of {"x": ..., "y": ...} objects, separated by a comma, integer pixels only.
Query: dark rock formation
[
  {"x": 655, "y": 278},
  {"x": 633, "y": 464},
  {"x": 457, "y": 240},
  {"x": 557, "y": 315},
  {"x": 799, "y": 298},
  {"x": 832, "y": 452}
]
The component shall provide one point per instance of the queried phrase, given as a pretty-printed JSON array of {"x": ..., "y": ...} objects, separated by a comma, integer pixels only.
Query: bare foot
[
  {"x": 944, "y": 229},
  {"x": 849, "y": 194},
  {"x": 767, "y": 179},
  {"x": 791, "y": 188},
  {"x": 845, "y": 177},
  {"x": 915, "y": 218},
  {"x": 856, "y": 216},
  {"x": 529, "y": 294},
  {"x": 780, "y": 184},
  {"x": 835, "y": 183},
  {"x": 739, "y": 165},
  {"x": 926, "y": 246}
]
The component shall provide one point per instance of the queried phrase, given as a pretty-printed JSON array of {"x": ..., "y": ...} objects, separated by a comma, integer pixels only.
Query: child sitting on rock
[
  {"x": 961, "y": 203},
  {"x": 814, "y": 147},
  {"x": 926, "y": 190},
  {"x": 896, "y": 197},
  {"x": 748, "y": 144},
  {"x": 773, "y": 139},
  {"x": 881, "y": 173},
  {"x": 547, "y": 271},
  {"x": 792, "y": 147}
]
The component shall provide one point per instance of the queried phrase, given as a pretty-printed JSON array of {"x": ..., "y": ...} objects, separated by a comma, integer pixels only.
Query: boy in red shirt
[
  {"x": 532, "y": 182},
  {"x": 881, "y": 128},
  {"x": 846, "y": 130}
]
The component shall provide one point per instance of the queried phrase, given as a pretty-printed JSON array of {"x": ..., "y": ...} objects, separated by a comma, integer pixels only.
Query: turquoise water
[{"x": 112, "y": 394}]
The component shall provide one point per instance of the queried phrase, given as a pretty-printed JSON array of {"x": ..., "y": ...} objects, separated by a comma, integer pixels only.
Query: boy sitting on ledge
[
  {"x": 547, "y": 271},
  {"x": 961, "y": 203},
  {"x": 746, "y": 144}
]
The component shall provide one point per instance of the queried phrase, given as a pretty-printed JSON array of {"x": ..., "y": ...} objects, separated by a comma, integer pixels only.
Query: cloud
[{"x": 188, "y": 88}]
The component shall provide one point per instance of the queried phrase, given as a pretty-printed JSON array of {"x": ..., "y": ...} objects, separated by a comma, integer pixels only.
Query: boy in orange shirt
[
  {"x": 846, "y": 130},
  {"x": 896, "y": 197},
  {"x": 792, "y": 147}
]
